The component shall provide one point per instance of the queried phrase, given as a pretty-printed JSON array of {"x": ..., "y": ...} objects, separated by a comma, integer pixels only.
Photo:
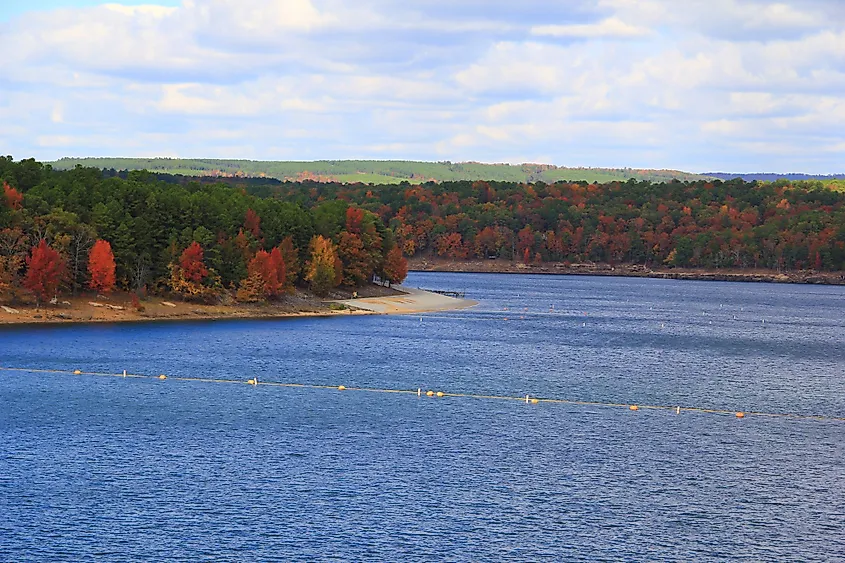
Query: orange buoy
[
  {"x": 162, "y": 377},
  {"x": 430, "y": 394},
  {"x": 341, "y": 388},
  {"x": 634, "y": 408},
  {"x": 740, "y": 415},
  {"x": 440, "y": 393},
  {"x": 535, "y": 401}
]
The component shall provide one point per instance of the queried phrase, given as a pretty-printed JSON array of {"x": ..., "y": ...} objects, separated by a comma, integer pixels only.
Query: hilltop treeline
[
  {"x": 702, "y": 224},
  {"x": 375, "y": 171},
  {"x": 201, "y": 241}
]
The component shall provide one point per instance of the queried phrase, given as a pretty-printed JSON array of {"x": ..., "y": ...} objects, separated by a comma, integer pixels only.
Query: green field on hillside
[{"x": 375, "y": 171}]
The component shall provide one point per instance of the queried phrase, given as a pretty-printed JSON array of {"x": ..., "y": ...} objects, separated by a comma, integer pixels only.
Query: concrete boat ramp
[{"x": 414, "y": 301}]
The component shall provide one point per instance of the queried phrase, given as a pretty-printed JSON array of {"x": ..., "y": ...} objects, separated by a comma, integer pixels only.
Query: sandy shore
[
  {"x": 415, "y": 301},
  {"x": 117, "y": 308}
]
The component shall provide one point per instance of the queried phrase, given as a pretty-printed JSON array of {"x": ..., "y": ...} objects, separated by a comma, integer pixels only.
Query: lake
[{"x": 127, "y": 469}]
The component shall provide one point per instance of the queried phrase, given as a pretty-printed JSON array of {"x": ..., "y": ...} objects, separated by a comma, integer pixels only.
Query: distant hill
[
  {"x": 375, "y": 171},
  {"x": 770, "y": 177}
]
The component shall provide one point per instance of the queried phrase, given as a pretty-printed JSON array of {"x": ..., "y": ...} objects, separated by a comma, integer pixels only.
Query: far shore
[
  {"x": 501, "y": 266},
  {"x": 117, "y": 308}
]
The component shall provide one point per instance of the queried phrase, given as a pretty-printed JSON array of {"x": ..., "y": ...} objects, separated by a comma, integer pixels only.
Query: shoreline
[
  {"x": 412, "y": 302},
  {"x": 116, "y": 309},
  {"x": 808, "y": 277}
]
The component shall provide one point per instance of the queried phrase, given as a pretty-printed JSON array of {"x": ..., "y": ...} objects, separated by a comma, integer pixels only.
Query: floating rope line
[{"x": 439, "y": 394}]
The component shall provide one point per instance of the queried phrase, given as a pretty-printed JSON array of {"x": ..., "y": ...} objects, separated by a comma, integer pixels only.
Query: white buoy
[
  {"x": 124, "y": 373},
  {"x": 419, "y": 392},
  {"x": 678, "y": 410}
]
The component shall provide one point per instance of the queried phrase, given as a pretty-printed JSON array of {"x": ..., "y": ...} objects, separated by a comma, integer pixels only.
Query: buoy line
[{"x": 528, "y": 399}]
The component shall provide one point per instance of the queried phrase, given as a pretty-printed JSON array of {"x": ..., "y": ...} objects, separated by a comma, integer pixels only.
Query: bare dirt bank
[
  {"x": 369, "y": 300},
  {"x": 118, "y": 308},
  {"x": 627, "y": 270}
]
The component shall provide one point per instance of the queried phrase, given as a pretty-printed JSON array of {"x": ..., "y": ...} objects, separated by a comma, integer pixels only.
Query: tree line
[
  {"x": 256, "y": 239},
  {"x": 703, "y": 224},
  {"x": 68, "y": 231}
]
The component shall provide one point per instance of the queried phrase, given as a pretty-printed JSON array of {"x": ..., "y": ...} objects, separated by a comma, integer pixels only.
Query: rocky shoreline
[{"x": 627, "y": 270}]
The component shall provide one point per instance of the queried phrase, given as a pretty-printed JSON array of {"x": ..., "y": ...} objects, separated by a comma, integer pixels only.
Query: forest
[
  {"x": 79, "y": 230},
  {"x": 701, "y": 224},
  {"x": 254, "y": 239}
]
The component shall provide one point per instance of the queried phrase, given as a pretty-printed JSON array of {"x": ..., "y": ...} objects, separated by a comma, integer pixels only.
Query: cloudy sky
[{"x": 698, "y": 85}]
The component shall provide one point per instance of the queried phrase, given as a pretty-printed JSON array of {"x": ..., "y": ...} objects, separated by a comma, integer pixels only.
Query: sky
[{"x": 695, "y": 85}]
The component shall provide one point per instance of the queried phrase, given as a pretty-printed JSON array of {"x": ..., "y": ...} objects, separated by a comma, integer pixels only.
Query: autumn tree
[
  {"x": 266, "y": 276},
  {"x": 354, "y": 220},
  {"x": 13, "y": 198},
  {"x": 356, "y": 261},
  {"x": 191, "y": 279},
  {"x": 101, "y": 267},
  {"x": 14, "y": 247},
  {"x": 395, "y": 266},
  {"x": 322, "y": 267},
  {"x": 275, "y": 282},
  {"x": 45, "y": 271},
  {"x": 191, "y": 263},
  {"x": 252, "y": 223},
  {"x": 290, "y": 257}
]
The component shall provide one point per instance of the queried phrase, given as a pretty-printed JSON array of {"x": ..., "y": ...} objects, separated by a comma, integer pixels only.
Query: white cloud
[
  {"x": 699, "y": 84},
  {"x": 611, "y": 27},
  {"x": 143, "y": 9}
]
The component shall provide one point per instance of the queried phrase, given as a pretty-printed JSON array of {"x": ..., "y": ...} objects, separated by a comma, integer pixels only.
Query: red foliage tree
[
  {"x": 101, "y": 267},
  {"x": 354, "y": 219},
  {"x": 252, "y": 223},
  {"x": 395, "y": 266},
  {"x": 46, "y": 270},
  {"x": 191, "y": 263},
  {"x": 14, "y": 199}
]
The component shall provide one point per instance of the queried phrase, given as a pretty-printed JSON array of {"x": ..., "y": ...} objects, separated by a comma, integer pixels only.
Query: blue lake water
[{"x": 129, "y": 469}]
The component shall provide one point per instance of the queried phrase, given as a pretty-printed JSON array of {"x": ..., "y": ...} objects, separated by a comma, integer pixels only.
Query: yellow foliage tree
[{"x": 321, "y": 271}]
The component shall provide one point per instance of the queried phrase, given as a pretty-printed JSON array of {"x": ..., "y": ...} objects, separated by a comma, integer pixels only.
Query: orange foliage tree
[
  {"x": 291, "y": 259},
  {"x": 45, "y": 271},
  {"x": 356, "y": 260},
  {"x": 354, "y": 219},
  {"x": 266, "y": 276},
  {"x": 14, "y": 199},
  {"x": 101, "y": 267},
  {"x": 395, "y": 266},
  {"x": 252, "y": 223}
]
